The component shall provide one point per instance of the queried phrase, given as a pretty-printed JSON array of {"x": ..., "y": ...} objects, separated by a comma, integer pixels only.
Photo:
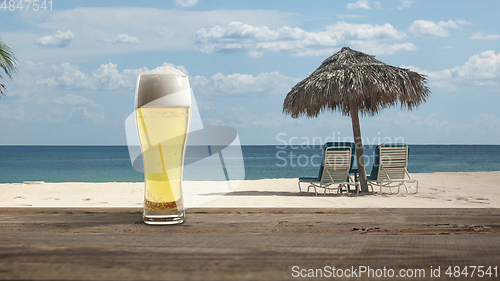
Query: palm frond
[
  {"x": 2, "y": 87},
  {"x": 8, "y": 60},
  {"x": 8, "y": 63}
]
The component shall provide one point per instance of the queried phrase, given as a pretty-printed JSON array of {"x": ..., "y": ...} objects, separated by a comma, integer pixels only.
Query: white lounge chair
[
  {"x": 334, "y": 173},
  {"x": 389, "y": 167}
]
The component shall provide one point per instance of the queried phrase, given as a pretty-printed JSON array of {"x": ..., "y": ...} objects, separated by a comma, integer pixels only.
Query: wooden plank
[{"x": 240, "y": 244}]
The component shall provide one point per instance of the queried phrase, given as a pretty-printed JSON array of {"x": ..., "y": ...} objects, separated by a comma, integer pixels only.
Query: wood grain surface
[{"x": 241, "y": 244}]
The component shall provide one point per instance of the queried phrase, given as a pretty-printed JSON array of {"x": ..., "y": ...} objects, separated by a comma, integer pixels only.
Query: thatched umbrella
[{"x": 355, "y": 83}]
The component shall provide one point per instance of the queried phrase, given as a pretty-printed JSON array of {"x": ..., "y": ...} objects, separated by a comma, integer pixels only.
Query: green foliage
[{"x": 8, "y": 63}]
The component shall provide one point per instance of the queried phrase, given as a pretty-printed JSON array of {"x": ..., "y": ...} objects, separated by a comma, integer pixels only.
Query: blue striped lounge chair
[
  {"x": 389, "y": 167},
  {"x": 335, "y": 170}
]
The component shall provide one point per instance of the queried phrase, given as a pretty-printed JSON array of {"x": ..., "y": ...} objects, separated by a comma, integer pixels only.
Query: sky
[{"x": 79, "y": 61}]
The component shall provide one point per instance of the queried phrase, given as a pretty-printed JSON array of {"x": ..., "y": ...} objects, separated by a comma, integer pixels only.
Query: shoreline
[
  {"x": 129, "y": 182},
  {"x": 436, "y": 190}
]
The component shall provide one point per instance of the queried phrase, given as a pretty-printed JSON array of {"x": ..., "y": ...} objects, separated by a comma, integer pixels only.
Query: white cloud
[
  {"x": 69, "y": 76},
  {"x": 256, "y": 40},
  {"x": 65, "y": 93},
  {"x": 405, "y": 4},
  {"x": 64, "y": 75},
  {"x": 433, "y": 29},
  {"x": 186, "y": 3},
  {"x": 72, "y": 99},
  {"x": 384, "y": 49},
  {"x": 204, "y": 105},
  {"x": 59, "y": 40},
  {"x": 156, "y": 29},
  {"x": 213, "y": 122},
  {"x": 82, "y": 115},
  {"x": 48, "y": 82},
  {"x": 238, "y": 116},
  {"x": 480, "y": 70},
  {"x": 482, "y": 127},
  {"x": 124, "y": 38},
  {"x": 410, "y": 120},
  {"x": 108, "y": 77},
  {"x": 482, "y": 36},
  {"x": 350, "y": 16},
  {"x": 273, "y": 120},
  {"x": 364, "y": 4},
  {"x": 490, "y": 121},
  {"x": 179, "y": 67},
  {"x": 364, "y": 31},
  {"x": 240, "y": 84},
  {"x": 11, "y": 113}
]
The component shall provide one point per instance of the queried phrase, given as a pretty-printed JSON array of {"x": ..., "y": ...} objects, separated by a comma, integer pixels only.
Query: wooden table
[{"x": 241, "y": 244}]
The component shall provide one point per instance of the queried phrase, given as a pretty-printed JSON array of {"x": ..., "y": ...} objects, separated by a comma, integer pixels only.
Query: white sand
[{"x": 436, "y": 190}]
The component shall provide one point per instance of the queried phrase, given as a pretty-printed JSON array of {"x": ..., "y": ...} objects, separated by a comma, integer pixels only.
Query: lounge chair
[
  {"x": 389, "y": 167},
  {"x": 335, "y": 169}
]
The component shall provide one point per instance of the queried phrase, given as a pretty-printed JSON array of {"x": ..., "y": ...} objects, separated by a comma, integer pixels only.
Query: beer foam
[
  {"x": 163, "y": 86},
  {"x": 166, "y": 70}
]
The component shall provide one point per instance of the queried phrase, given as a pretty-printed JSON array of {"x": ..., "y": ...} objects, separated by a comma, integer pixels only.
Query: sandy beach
[{"x": 436, "y": 190}]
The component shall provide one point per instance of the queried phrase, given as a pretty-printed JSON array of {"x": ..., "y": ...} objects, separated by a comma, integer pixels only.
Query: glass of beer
[{"x": 163, "y": 108}]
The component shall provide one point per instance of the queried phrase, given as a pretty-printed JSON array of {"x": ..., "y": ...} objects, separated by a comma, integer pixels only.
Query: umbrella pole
[{"x": 359, "y": 149}]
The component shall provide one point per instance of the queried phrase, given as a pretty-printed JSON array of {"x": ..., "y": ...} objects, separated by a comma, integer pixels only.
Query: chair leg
[
  {"x": 300, "y": 190},
  {"x": 373, "y": 190},
  {"x": 406, "y": 187}
]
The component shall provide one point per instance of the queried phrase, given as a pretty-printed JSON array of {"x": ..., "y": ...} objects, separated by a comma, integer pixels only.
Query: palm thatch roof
[{"x": 354, "y": 79}]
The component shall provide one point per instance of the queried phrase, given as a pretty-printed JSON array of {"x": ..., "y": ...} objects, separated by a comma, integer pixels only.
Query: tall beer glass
[{"x": 163, "y": 108}]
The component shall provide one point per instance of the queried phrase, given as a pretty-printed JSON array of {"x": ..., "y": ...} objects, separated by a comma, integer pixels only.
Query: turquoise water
[{"x": 112, "y": 163}]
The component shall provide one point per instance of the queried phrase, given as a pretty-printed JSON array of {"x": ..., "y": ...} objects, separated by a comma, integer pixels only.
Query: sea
[{"x": 112, "y": 163}]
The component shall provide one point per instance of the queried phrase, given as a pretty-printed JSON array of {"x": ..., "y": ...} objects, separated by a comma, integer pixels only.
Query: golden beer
[{"x": 162, "y": 117}]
